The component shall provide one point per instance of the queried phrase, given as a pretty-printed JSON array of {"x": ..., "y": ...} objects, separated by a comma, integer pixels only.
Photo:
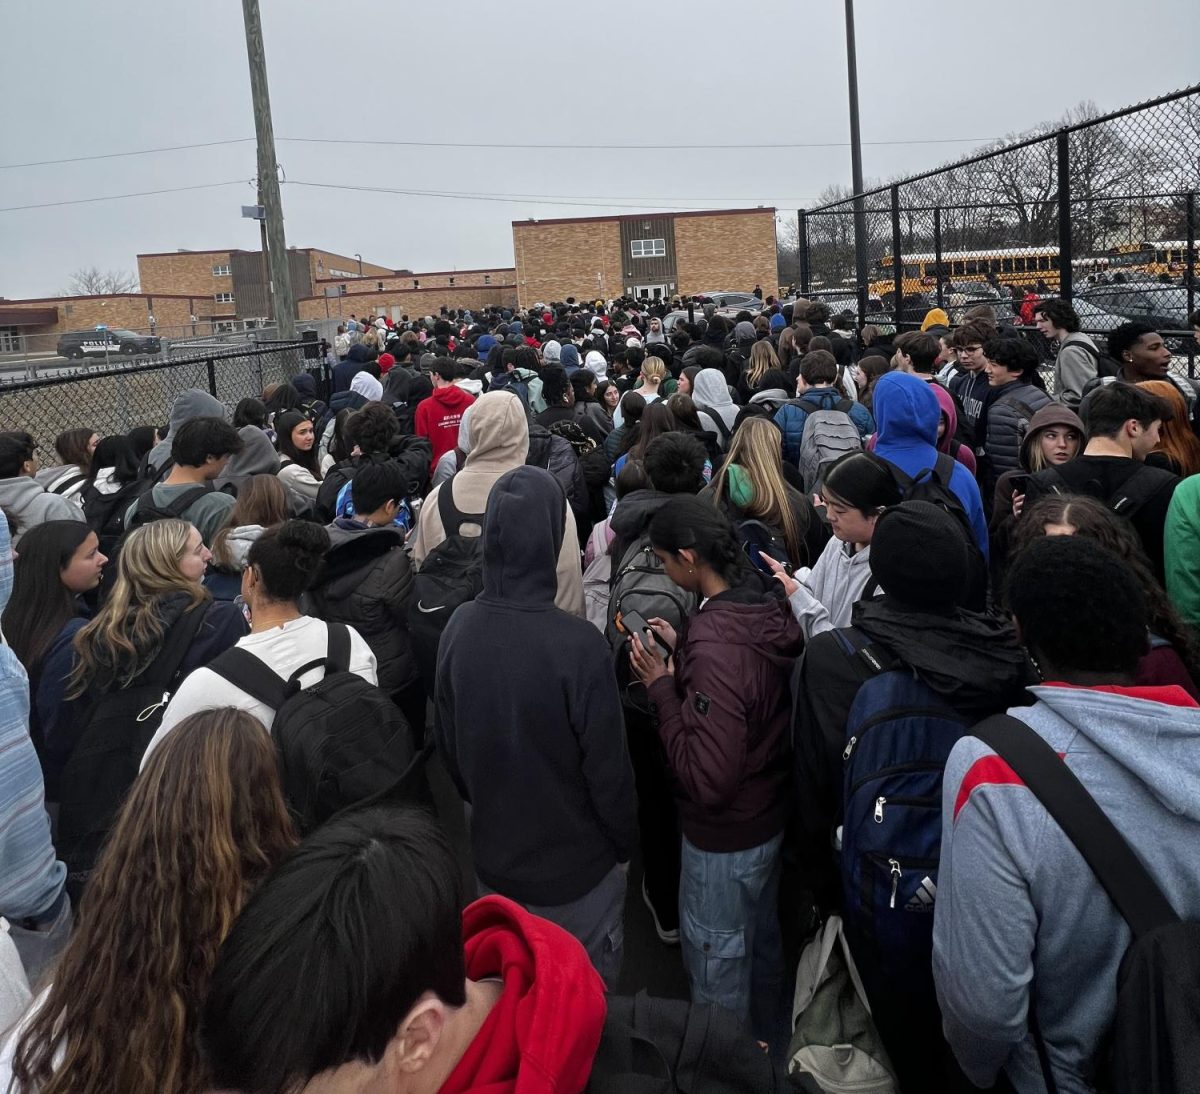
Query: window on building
[
  {"x": 648, "y": 248},
  {"x": 487, "y": 279},
  {"x": 223, "y": 297},
  {"x": 342, "y": 290},
  {"x": 221, "y": 270},
  {"x": 379, "y": 285},
  {"x": 451, "y": 282},
  {"x": 224, "y": 326},
  {"x": 416, "y": 283}
]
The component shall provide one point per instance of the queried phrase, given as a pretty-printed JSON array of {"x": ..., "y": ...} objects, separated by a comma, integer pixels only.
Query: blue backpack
[{"x": 898, "y": 737}]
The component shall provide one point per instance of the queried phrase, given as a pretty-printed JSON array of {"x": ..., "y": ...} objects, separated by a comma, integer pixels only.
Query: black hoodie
[
  {"x": 972, "y": 661},
  {"x": 528, "y": 718}
]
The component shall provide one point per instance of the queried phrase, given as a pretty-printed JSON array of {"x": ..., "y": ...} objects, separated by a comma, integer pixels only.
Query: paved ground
[{"x": 648, "y": 963}]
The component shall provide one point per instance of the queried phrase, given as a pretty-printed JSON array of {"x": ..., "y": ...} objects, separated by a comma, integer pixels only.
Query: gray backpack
[
  {"x": 835, "y": 1044},
  {"x": 829, "y": 432}
]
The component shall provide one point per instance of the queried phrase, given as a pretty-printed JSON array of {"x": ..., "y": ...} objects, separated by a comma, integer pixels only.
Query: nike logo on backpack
[{"x": 421, "y": 608}]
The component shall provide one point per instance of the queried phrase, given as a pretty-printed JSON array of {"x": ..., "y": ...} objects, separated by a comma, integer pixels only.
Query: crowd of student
[{"x": 644, "y": 593}]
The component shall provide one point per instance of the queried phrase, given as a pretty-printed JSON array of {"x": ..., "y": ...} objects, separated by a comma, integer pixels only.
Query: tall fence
[
  {"x": 1101, "y": 212},
  {"x": 115, "y": 399}
]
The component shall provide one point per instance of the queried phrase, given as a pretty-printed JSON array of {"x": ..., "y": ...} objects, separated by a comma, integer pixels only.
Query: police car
[{"x": 103, "y": 342}]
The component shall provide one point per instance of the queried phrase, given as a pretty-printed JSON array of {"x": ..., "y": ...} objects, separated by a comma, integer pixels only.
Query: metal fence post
[
  {"x": 897, "y": 257},
  {"x": 937, "y": 255},
  {"x": 212, "y": 377},
  {"x": 1066, "y": 287},
  {"x": 1190, "y": 276},
  {"x": 802, "y": 247}
]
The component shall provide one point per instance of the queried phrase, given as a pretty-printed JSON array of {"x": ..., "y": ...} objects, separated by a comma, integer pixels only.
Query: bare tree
[{"x": 92, "y": 281}]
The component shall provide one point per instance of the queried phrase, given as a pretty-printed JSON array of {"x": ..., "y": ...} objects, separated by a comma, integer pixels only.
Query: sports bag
[
  {"x": 341, "y": 742},
  {"x": 829, "y": 433},
  {"x": 1155, "y": 1039},
  {"x": 835, "y": 1044},
  {"x": 118, "y": 727},
  {"x": 899, "y": 734},
  {"x": 452, "y": 574}
]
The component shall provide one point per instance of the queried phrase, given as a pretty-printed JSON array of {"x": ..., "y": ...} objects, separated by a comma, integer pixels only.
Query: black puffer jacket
[
  {"x": 1008, "y": 413},
  {"x": 556, "y": 455},
  {"x": 366, "y": 582}
]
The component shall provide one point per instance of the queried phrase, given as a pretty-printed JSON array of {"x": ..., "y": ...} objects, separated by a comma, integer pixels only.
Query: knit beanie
[
  {"x": 919, "y": 556},
  {"x": 386, "y": 362},
  {"x": 777, "y": 322}
]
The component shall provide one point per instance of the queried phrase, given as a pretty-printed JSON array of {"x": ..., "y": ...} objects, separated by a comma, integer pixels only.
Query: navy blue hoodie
[{"x": 528, "y": 717}]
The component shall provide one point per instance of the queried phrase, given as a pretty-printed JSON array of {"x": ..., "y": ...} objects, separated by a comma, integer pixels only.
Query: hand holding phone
[{"x": 632, "y": 623}]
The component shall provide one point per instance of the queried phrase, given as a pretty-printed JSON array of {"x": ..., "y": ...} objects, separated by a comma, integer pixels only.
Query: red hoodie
[
  {"x": 438, "y": 418},
  {"x": 541, "y": 1036}
]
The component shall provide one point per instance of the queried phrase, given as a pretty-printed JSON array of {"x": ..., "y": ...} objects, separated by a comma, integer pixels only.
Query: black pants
[{"x": 658, "y": 817}]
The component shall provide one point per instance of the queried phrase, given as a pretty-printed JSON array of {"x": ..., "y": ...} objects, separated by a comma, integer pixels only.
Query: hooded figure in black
[
  {"x": 972, "y": 661},
  {"x": 528, "y": 721}
]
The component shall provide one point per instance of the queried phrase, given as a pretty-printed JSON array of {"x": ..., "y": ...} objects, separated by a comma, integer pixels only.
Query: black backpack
[
  {"x": 1126, "y": 500},
  {"x": 342, "y": 742},
  {"x": 452, "y": 574},
  {"x": 148, "y": 510},
  {"x": 1106, "y": 365},
  {"x": 933, "y": 485},
  {"x": 1156, "y": 1032},
  {"x": 670, "y": 1046},
  {"x": 118, "y": 727}
]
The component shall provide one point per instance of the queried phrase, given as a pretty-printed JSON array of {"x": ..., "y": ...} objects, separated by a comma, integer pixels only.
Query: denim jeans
[
  {"x": 597, "y": 919},
  {"x": 729, "y": 930}
]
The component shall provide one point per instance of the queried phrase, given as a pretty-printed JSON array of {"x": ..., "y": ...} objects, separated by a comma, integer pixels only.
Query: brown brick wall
[
  {"x": 733, "y": 253},
  {"x": 184, "y": 274},
  {"x": 411, "y": 302},
  {"x": 172, "y": 315},
  {"x": 555, "y": 261},
  {"x": 466, "y": 279},
  {"x": 328, "y": 259}
]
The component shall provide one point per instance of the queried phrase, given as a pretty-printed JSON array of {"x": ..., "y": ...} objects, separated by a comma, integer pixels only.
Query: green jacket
[{"x": 1182, "y": 550}]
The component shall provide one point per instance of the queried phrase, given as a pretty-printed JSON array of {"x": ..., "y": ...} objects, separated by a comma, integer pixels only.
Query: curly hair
[{"x": 203, "y": 823}]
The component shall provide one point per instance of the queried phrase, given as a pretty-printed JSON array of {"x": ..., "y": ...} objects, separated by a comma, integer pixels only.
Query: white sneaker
[{"x": 667, "y": 938}]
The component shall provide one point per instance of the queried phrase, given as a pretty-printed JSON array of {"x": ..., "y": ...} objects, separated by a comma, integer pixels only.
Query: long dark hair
[
  {"x": 41, "y": 605},
  {"x": 310, "y": 460},
  {"x": 283, "y": 398},
  {"x": 690, "y": 522},
  {"x": 118, "y": 453},
  {"x": 656, "y": 420}
]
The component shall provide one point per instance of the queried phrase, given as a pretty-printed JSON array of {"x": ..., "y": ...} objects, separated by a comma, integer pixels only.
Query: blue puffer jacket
[{"x": 791, "y": 418}]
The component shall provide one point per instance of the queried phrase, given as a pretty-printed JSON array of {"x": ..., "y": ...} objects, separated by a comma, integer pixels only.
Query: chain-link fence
[
  {"x": 114, "y": 400},
  {"x": 1101, "y": 212}
]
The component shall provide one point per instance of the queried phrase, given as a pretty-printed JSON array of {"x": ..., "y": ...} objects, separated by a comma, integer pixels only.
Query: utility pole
[
  {"x": 856, "y": 174},
  {"x": 268, "y": 175}
]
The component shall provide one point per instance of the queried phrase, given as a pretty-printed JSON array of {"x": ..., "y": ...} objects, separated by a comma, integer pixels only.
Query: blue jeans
[{"x": 729, "y": 930}]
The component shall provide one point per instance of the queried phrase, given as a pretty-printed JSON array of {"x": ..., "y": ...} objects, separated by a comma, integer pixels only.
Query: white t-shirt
[{"x": 284, "y": 649}]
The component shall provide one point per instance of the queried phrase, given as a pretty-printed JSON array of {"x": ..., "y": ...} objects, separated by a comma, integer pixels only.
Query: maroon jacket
[{"x": 724, "y": 719}]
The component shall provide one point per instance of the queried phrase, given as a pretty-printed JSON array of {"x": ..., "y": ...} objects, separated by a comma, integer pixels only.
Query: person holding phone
[{"x": 723, "y": 706}]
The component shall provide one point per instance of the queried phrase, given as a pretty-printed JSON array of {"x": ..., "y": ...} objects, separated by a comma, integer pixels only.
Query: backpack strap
[
  {"x": 63, "y": 485},
  {"x": 338, "y": 657},
  {"x": 179, "y": 638},
  {"x": 452, "y": 517},
  {"x": 855, "y": 644},
  {"x": 1134, "y": 492},
  {"x": 717, "y": 420},
  {"x": 176, "y": 507},
  {"x": 1137, "y": 896},
  {"x": 251, "y": 675}
]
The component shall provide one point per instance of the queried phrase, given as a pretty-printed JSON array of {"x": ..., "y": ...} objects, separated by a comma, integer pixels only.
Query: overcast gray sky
[{"x": 81, "y": 78}]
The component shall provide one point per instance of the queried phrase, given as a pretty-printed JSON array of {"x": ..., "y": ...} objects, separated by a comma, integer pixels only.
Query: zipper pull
[
  {"x": 849, "y": 748},
  {"x": 149, "y": 711},
  {"x": 896, "y": 875},
  {"x": 879, "y": 804}
]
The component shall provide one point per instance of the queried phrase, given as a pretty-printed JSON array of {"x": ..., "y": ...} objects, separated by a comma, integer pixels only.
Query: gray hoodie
[
  {"x": 29, "y": 503},
  {"x": 257, "y": 457},
  {"x": 1016, "y": 903},
  {"x": 192, "y": 403},
  {"x": 711, "y": 395}
]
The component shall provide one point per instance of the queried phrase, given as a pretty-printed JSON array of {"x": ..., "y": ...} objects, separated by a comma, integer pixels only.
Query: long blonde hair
[
  {"x": 762, "y": 359},
  {"x": 202, "y": 824},
  {"x": 654, "y": 370},
  {"x": 757, "y": 450},
  {"x": 123, "y": 639}
]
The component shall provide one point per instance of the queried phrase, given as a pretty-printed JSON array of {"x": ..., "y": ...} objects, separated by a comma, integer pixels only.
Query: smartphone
[
  {"x": 1019, "y": 484},
  {"x": 632, "y": 623}
]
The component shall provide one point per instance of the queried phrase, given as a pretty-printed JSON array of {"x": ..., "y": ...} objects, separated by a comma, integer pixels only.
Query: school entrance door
[{"x": 650, "y": 292}]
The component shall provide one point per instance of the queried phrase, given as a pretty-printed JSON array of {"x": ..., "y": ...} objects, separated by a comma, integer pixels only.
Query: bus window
[
  {"x": 1054, "y": 262},
  {"x": 972, "y": 267},
  {"x": 913, "y": 269},
  {"x": 1006, "y": 265}
]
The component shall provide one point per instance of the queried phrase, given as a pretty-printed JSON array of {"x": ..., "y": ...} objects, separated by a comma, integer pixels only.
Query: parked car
[
  {"x": 104, "y": 341},
  {"x": 739, "y": 300},
  {"x": 1162, "y": 306}
]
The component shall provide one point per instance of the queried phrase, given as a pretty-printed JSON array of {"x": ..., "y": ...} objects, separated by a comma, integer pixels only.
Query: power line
[
  {"x": 119, "y": 155},
  {"x": 628, "y": 147},
  {"x": 119, "y": 197},
  {"x": 584, "y": 200}
]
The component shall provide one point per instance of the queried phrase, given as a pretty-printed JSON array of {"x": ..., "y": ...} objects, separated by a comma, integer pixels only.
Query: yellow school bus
[
  {"x": 1151, "y": 257},
  {"x": 1008, "y": 265}
]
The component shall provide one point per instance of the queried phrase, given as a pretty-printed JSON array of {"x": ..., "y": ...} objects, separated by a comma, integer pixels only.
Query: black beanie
[{"x": 919, "y": 556}]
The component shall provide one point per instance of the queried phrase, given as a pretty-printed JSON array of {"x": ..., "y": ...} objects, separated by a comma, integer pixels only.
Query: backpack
[
  {"x": 828, "y": 434},
  {"x": 757, "y": 536},
  {"x": 933, "y": 485},
  {"x": 899, "y": 734},
  {"x": 641, "y": 584},
  {"x": 452, "y": 574},
  {"x": 1106, "y": 365},
  {"x": 724, "y": 430},
  {"x": 117, "y": 728},
  {"x": 1127, "y": 499},
  {"x": 597, "y": 579},
  {"x": 1156, "y": 1030},
  {"x": 834, "y": 1041},
  {"x": 68, "y": 483},
  {"x": 105, "y": 513},
  {"x": 341, "y": 742},
  {"x": 592, "y": 460},
  {"x": 670, "y": 1046}
]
